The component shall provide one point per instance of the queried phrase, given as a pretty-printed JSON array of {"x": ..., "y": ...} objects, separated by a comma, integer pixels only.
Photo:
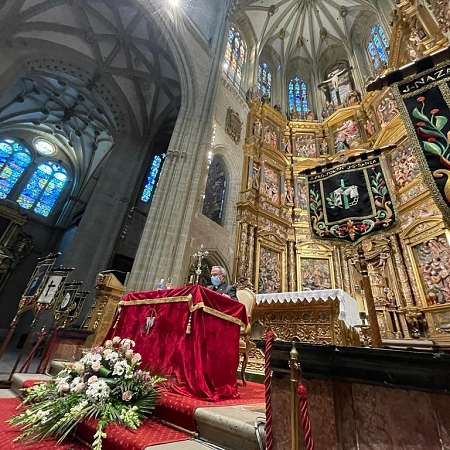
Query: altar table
[{"x": 191, "y": 334}]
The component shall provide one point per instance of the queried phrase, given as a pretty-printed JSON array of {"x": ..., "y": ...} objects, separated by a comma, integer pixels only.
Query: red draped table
[{"x": 189, "y": 333}]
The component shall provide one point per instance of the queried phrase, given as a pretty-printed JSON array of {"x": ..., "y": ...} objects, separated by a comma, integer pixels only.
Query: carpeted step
[{"x": 20, "y": 380}]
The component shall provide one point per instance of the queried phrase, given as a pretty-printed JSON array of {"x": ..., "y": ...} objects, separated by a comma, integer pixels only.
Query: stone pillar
[
  {"x": 93, "y": 244},
  {"x": 162, "y": 249}
]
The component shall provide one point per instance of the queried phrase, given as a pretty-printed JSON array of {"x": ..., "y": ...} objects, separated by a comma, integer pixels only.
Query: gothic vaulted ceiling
[{"x": 304, "y": 27}]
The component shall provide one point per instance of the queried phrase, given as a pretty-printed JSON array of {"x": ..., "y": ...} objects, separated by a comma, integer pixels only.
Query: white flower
[
  {"x": 120, "y": 367},
  {"x": 98, "y": 391},
  {"x": 116, "y": 340},
  {"x": 113, "y": 357},
  {"x": 63, "y": 387}
]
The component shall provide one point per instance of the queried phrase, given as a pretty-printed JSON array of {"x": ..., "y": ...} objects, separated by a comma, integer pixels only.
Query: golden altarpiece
[{"x": 409, "y": 268}]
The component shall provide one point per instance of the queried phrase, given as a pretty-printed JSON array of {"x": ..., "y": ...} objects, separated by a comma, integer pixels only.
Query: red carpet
[
  {"x": 8, "y": 432},
  {"x": 179, "y": 410},
  {"x": 150, "y": 433}
]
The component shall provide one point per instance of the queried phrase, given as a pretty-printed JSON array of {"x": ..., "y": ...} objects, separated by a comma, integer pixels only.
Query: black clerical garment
[{"x": 225, "y": 288}]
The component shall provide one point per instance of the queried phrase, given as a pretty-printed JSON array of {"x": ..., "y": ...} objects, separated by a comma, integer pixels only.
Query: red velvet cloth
[{"x": 202, "y": 363}]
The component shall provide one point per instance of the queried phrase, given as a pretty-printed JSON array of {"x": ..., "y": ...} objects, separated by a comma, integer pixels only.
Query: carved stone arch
[
  {"x": 214, "y": 258},
  {"x": 421, "y": 228}
]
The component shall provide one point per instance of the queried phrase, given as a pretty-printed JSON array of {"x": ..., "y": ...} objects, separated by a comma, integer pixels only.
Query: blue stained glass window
[
  {"x": 152, "y": 178},
  {"x": 264, "y": 79},
  {"x": 378, "y": 46},
  {"x": 298, "y": 97},
  {"x": 43, "y": 188},
  {"x": 14, "y": 159},
  {"x": 234, "y": 57}
]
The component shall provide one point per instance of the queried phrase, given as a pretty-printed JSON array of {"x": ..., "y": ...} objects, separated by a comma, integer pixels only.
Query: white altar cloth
[{"x": 348, "y": 306}]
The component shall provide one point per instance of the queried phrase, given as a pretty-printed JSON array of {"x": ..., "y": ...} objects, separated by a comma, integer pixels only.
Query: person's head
[{"x": 218, "y": 275}]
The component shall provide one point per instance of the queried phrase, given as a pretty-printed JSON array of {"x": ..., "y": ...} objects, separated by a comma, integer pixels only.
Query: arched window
[
  {"x": 264, "y": 79},
  {"x": 43, "y": 188},
  {"x": 14, "y": 159},
  {"x": 378, "y": 46},
  {"x": 216, "y": 187},
  {"x": 298, "y": 98},
  {"x": 152, "y": 178},
  {"x": 234, "y": 57}
]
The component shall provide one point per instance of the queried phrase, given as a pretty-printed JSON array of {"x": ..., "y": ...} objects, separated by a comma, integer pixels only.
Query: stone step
[
  {"x": 230, "y": 427},
  {"x": 19, "y": 378}
]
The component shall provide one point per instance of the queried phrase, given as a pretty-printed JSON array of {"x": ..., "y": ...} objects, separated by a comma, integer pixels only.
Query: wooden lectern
[{"x": 109, "y": 293}]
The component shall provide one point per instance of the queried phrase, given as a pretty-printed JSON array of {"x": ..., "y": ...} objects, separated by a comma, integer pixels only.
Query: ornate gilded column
[
  {"x": 291, "y": 278},
  {"x": 242, "y": 255},
  {"x": 337, "y": 268},
  {"x": 345, "y": 272},
  {"x": 251, "y": 254},
  {"x": 401, "y": 271}
]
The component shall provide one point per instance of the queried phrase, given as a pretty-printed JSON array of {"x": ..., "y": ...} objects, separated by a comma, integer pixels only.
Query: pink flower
[
  {"x": 116, "y": 339},
  {"x": 434, "y": 111},
  {"x": 80, "y": 387},
  {"x": 126, "y": 396},
  {"x": 420, "y": 99},
  {"x": 128, "y": 354},
  {"x": 92, "y": 379},
  {"x": 96, "y": 366},
  {"x": 108, "y": 343},
  {"x": 136, "y": 358},
  {"x": 63, "y": 387}
]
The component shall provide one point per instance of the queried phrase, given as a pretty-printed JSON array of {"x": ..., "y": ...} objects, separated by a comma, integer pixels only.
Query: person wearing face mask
[{"x": 220, "y": 284}]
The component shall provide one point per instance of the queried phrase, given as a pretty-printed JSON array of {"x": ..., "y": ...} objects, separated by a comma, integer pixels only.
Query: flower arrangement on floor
[{"x": 106, "y": 384}]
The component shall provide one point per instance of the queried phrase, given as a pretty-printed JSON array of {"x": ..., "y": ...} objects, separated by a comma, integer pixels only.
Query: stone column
[{"x": 163, "y": 244}]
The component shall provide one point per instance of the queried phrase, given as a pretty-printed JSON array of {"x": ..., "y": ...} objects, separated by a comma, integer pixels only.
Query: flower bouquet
[{"x": 106, "y": 384}]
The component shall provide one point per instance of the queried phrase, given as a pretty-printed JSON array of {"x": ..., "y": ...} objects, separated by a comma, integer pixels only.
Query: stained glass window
[
  {"x": 378, "y": 46},
  {"x": 264, "y": 79},
  {"x": 234, "y": 57},
  {"x": 14, "y": 159},
  {"x": 152, "y": 178},
  {"x": 298, "y": 98},
  {"x": 43, "y": 188},
  {"x": 216, "y": 187}
]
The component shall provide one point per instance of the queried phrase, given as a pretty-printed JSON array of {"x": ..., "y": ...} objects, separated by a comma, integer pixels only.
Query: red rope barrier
[
  {"x": 49, "y": 353},
  {"x": 267, "y": 389},
  {"x": 33, "y": 351},
  {"x": 306, "y": 424}
]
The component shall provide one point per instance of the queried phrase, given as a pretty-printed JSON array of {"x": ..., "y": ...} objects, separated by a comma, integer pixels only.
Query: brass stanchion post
[{"x": 293, "y": 362}]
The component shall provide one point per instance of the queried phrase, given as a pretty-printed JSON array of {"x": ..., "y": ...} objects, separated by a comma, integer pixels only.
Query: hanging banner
[
  {"x": 424, "y": 103},
  {"x": 349, "y": 201}
]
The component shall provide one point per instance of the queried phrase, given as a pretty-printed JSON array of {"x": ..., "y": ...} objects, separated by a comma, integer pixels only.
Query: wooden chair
[{"x": 248, "y": 298}]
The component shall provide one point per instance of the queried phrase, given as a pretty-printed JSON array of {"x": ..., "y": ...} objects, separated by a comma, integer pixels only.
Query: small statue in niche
[
  {"x": 323, "y": 149},
  {"x": 309, "y": 115},
  {"x": 369, "y": 126},
  {"x": 273, "y": 140},
  {"x": 277, "y": 107},
  {"x": 257, "y": 127},
  {"x": 267, "y": 136},
  {"x": 328, "y": 109},
  {"x": 353, "y": 98},
  {"x": 288, "y": 192},
  {"x": 286, "y": 145}
]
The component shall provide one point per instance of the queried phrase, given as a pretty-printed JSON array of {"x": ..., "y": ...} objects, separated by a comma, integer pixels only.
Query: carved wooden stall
[{"x": 409, "y": 267}]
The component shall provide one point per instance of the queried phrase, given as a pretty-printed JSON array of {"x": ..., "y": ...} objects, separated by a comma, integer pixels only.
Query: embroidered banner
[
  {"x": 424, "y": 103},
  {"x": 350, "y": 201}
]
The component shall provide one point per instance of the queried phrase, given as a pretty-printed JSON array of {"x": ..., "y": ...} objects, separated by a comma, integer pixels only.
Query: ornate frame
[
  {"x": 275, "y": 245},
  {"x": 309, "y": 252},
  {"x": 233, "y": 125}
]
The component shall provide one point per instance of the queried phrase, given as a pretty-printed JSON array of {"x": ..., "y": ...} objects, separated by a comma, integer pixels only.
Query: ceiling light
[{"x": 175, "y": 3}]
